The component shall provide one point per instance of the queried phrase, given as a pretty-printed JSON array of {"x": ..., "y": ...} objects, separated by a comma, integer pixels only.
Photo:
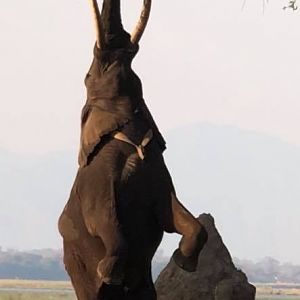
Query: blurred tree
[{"x": 292, "y": 5}]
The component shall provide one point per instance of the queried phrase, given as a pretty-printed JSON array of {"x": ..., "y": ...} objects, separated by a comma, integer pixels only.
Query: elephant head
[
  {"x": 114, "y": 51},
  {"x": 115, "y": 48},
  {"x": 114, "y": 91},
  {"x": 109, "y": 30}
]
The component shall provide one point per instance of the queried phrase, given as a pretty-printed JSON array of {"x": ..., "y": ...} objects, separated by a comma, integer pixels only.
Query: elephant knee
[
  {"x": 193, "y": 242},
  {"x": 186, "y": 257}
]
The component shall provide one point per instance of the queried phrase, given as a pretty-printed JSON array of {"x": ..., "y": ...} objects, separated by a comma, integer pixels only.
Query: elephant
[{"x": 123, "y": 198}]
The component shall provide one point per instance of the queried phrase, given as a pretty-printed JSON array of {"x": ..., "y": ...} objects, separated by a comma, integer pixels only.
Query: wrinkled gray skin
[{"x": 120, "y": 205}]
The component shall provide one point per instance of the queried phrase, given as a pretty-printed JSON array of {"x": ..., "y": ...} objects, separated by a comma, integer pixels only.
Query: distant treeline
[
  {"x": 269, "y": 270},
  {"x": 48, "y": 265},
  {"x": 41, "y": 264}
]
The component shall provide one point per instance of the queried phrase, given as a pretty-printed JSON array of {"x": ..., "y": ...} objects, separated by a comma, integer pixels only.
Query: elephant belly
[
  {"x": 137, "y": 209},
  {"x": 118, "y": 186}
]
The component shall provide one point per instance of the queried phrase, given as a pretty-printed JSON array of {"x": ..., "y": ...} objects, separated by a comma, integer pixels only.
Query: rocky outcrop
[{"x": 215, "y": 279}]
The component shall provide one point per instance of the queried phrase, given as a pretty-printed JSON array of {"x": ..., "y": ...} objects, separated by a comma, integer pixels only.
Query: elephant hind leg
[
  {"x": 194, "y": 235},
  {"x": 86, "y": 288}
]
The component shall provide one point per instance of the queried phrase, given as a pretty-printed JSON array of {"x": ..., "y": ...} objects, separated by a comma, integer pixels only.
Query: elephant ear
[{"x": 95, "y": 123}]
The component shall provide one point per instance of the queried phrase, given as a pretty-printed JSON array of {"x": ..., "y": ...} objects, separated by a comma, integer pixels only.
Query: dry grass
[
  {"x": 269, "y": 298},
  {"x": 35, "y": 284},
  {"x": 36, "y": 296},
  {"x": 63, "y": 290},
  {"x": 271, "y": 290},
  {"x": 35, "y": 290}
]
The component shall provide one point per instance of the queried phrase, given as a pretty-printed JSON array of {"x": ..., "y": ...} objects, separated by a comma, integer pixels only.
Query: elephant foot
[
  {"x": 111, "y": 271},
  {"x": 188, "y": 264}
]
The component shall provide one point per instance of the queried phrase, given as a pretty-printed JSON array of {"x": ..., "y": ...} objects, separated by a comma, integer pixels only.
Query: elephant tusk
[
  {"x": 142, "y": 23},
  {"x": 97, "y": 21}
]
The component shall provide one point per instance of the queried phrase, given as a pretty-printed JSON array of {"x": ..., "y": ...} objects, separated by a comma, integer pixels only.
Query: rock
[{"x": 216, "y": 277}]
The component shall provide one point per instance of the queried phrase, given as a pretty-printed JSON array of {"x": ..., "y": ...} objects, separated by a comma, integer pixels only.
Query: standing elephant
[{"x": 123, "y": 198}]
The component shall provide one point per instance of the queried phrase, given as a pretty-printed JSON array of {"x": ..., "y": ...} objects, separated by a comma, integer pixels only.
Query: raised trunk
[
  {"x": 111, "y": 16},
  {"x": 115, "y": 35}
]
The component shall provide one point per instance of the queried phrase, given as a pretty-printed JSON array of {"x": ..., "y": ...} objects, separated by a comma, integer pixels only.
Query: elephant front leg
[
  {"x": 194, "y": 236},
  {"x": 101, "y": 220}
]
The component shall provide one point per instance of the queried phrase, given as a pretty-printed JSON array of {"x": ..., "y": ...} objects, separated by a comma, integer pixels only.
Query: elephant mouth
[{"x": 108, "y": 24}]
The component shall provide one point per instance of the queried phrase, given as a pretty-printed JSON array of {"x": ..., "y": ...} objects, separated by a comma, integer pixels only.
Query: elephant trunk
[
  {"x": 110, "y": 33},
  {"x": 115, "y": 35},
  {"x": 111, "y": 16}
]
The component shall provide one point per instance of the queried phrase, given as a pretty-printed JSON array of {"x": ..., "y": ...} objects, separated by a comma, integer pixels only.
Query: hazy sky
[{"x": 200, "y": 61}]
